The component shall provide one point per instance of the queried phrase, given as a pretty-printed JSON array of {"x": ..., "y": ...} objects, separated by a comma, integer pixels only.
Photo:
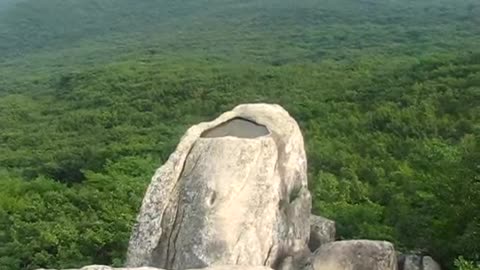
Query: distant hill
[{"x": 217, "y": 26}]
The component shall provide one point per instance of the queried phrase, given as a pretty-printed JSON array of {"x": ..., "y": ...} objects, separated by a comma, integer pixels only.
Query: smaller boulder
[
  {"x": 322, "y": 231},
  {"x": 429, "y": 263},
  {"x": 412, "y": 262},
  {"x": 355, "y": 255},
  {"x": 417, "y": 262}
]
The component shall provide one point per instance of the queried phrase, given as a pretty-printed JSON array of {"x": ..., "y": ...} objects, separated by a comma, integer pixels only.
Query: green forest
[{"x": 95, "y": 95}]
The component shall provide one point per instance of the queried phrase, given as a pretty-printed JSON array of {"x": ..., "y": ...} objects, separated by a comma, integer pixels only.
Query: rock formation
[
  {"x": 234, "y": 196},
  {"x": 355, "y": 255},
  {"x": 233, "y": 192},
  {"x": 322, "y": 231}
]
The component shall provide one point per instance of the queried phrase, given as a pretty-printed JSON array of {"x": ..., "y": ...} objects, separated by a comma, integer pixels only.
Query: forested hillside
[{"x": 95, "y": 94}]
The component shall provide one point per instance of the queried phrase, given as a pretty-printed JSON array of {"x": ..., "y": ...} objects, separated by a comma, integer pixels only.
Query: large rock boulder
[
  {"x": 234, "y": 192},
  {"x": 322, "y": 231},
  {"x": 355, "y": 255}
]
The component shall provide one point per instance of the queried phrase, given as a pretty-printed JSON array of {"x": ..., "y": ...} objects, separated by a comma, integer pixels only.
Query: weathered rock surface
[
  {"x": 322, "y": 231},
  {"x": 301, "y": 260},
  {"x": 411, "y": 262},
  {"x": 417, "y": 262},
  {"x": 234, "y": 192},
  {"x": 216, "y": 267},
  {"x": 355, "y": 255},
  {"x": 429, "y": 263}
]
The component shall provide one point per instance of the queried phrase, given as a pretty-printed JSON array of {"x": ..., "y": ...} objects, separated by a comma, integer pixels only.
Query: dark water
[{"x": 237, "y": 127}]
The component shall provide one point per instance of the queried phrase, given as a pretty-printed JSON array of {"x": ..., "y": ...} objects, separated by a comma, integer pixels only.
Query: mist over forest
[{"x": 95, "y": 95}]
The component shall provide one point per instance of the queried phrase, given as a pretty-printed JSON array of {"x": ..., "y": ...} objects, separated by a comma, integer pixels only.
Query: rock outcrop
[
  {"x": 355, "y": 255},
  {"x": 234, "y": 196},
  {"x": 234, "y": 192},
  {"x": 322, "y": 231}
]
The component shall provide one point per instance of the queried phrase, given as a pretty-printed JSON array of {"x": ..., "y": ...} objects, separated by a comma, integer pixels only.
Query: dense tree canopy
[{"x": 94, "y": 95}]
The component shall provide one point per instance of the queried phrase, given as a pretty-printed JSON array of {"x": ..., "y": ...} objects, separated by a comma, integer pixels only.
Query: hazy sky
[{"x": 5, "y": 3}]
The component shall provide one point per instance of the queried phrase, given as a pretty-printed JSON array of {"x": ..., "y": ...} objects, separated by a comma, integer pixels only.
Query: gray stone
[
  {"x": 301, "y": 260},
  {"x": 234, "y": 192},
  {"x": 417, "y": 262},
  {"x": 429, "y": 264},
  {"x": 355, "y": 255},
  {"x": 322, "y": 231},
  {"x": 412, "y": 262}
]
